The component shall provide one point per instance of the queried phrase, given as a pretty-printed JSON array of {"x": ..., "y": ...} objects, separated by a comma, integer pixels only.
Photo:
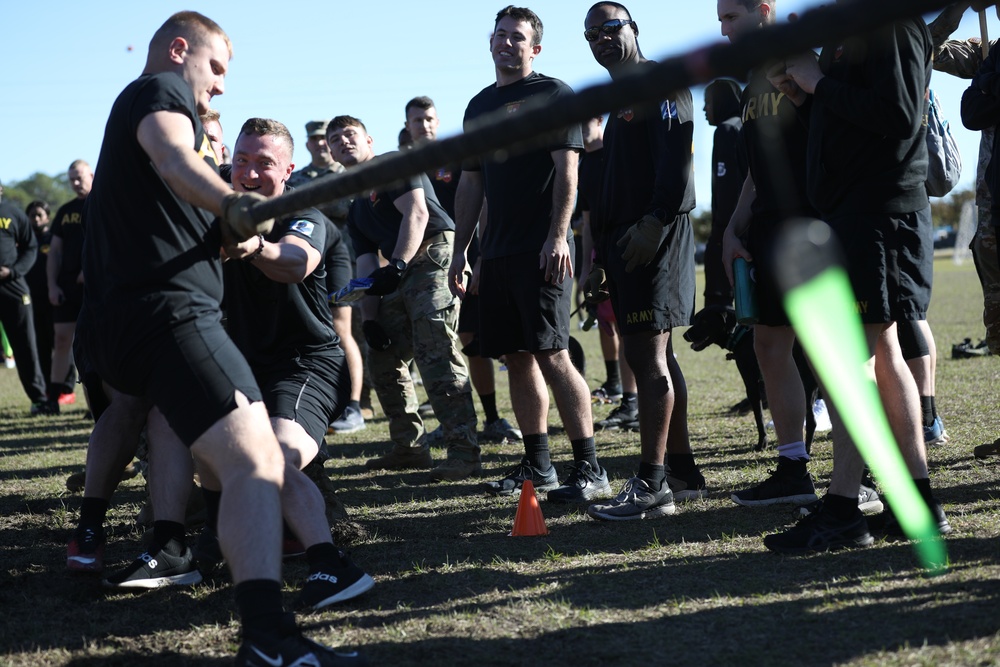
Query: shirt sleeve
[{"x": 27, "y": 247}]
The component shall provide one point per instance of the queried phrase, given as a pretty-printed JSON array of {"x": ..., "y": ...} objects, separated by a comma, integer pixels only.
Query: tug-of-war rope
[{"x": 499, "y": 135}]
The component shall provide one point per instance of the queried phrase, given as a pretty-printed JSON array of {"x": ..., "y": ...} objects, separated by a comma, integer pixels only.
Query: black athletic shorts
[
  {"x": 521, "y": 312},
  {"x": 660, "y": 295},
  {"x": 310, "y": 391},
  {"x": 68, "y": 311},
  {"x": 468, "y": 315},
  {"x": 339, "y": 270},
  {"x": 187, "y": 365},
  {"x": 761, "y": 244},
  {"x": 889, "y": 258}
]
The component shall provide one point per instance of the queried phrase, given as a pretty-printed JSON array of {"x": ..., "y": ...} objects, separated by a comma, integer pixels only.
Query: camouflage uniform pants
[
  {"x": 420, "y": 318},
  {"x": 984, "y": 245},
  {"x": 987, "y": 257}
]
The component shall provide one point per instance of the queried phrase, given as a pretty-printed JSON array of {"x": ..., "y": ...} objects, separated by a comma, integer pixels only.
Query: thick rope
[{"x": 499, "y": 134}]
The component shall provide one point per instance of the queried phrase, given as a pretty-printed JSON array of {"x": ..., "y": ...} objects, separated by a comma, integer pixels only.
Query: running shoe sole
[
  {"x": 362, "y": 585},
  {"x": 652, "y": 513}
]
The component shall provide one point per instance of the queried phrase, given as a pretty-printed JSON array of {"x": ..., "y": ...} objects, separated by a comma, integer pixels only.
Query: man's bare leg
[
  {"x": 243, "y": 454},
  {"x": 112, "y": 445}
]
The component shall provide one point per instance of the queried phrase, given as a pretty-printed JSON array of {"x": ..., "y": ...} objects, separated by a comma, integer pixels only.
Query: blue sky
[{"x": 295, "y": 61}]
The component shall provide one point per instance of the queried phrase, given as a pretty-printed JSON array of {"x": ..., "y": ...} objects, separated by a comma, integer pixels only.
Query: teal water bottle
[{"x": 745, "y": 291}]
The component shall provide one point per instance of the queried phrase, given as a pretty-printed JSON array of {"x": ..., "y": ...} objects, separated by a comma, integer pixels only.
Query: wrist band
[{"x": 256, "y": 253}]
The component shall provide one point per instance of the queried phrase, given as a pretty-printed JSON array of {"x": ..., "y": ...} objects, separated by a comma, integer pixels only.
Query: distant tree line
[{"x": 54, "y": 190}]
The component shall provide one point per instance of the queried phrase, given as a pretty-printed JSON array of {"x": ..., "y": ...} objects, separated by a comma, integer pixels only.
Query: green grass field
[{"x": 697, "y": 588}]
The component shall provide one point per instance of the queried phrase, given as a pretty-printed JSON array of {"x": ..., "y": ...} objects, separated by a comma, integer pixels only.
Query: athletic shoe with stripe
[
  {"x": 636, "y": 500},
  {"x": 334, "y": 583},
  {"x": 153, "y": 570}
]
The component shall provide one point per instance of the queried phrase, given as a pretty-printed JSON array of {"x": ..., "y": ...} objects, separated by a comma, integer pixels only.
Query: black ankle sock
[
  {"x": 631, "y": 399},
  {"x": 261, "y": 613},
  {"x": 584, "y": 449},
  {"x": 924, "y": 487},
  {"x": 322, "y": 556},
  {"x": 168, "y": 536},
  {"x": 652, "y": 474},
  {"x": 354, "y": 404},
  {"x": 613, "y": 371},
  {"x": 681, "y": 464},
  {"x": 212, "y": 500},
  {"x": 489, "y": 402},
  {"x": 928, "y": 410},
  {"x": 840, "y": 506},
  {"x": 92, "y": 512},
  {"x": 536, "y": 450}
]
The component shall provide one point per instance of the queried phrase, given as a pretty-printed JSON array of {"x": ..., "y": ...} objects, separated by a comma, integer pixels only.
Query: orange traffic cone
[{"x": 528, "y": 520}]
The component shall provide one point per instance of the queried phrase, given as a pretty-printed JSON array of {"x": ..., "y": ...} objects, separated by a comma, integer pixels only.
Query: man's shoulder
[
  {"x": 11, "y": 212},
  {"x": 543, "y": 81}
]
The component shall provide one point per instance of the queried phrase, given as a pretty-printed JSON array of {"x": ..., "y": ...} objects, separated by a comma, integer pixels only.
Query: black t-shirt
[
  {"x": 445, "y": 183},
  {"x": 68, "y": 226},
  {"x": 648, "y": 161},
  {"x": 149, "y": 256},
  {"x": 374, "y": 220},
  {"x": 867, "y": 141},
  {"x": 18, "y": 249},
  {"x": 589, "y": 188},
  {"x": 775, "y": 135},
  {"x": 519, "y": 189},
  {"x": 274, "y": 322}
]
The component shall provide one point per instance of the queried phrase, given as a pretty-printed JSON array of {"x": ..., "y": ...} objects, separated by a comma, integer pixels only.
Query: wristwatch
[{"x": 397, "y": 264}]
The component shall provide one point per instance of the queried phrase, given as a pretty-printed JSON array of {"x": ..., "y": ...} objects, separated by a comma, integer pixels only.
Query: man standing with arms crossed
[
  {"x": 422, "y": 124},
  {"x": 408, "y": 313},
  {"x": 155, "y": 331},
  {"x": 525, "y": 283},
  {"x": 647, "y": 248}
]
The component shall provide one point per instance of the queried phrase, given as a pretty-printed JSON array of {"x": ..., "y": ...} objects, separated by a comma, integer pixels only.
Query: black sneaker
[
  {"x": 85, "y": 552},
  {"x": 336, "y": 583},
  {"x": 606, "y": 393},
  {"x": 583, "y": 484},
  {"x": 45, "y": 407},
  {"x": 868, "y": 502},
  {"x": 207, "y": 552},
  {"x": 636, "y": 500},
  {"x": 690, "y": 486},
  {"x": 510, "y": 485},
  {"x": 780, "y": 487},
  {"x": 625, "y": 417},
  {"x": 888, "y": 526},
  {"x": 295, "y": 650},
  {"x": 821, "y": 531},
  {"x": 155, "y": 570}
]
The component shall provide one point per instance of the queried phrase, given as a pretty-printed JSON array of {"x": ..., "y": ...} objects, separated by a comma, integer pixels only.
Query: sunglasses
[{"x": 611, "y": 27}]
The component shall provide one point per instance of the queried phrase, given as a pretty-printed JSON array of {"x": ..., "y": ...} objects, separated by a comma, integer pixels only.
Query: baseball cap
[{"x": 316, "y": 128}]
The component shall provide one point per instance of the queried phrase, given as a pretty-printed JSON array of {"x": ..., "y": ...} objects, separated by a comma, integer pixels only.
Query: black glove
[
  {"x": 595, "y": 289},
  {"x": 385, "y": 280},
  {"x": 375, "y": 335}
]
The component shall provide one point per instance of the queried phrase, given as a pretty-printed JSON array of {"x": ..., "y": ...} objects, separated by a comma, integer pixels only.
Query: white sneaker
[{"x": 823, "y": 424}]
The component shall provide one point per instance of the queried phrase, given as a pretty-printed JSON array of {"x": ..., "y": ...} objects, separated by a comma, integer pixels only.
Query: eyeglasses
[{"x": 611, "y": 27}]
